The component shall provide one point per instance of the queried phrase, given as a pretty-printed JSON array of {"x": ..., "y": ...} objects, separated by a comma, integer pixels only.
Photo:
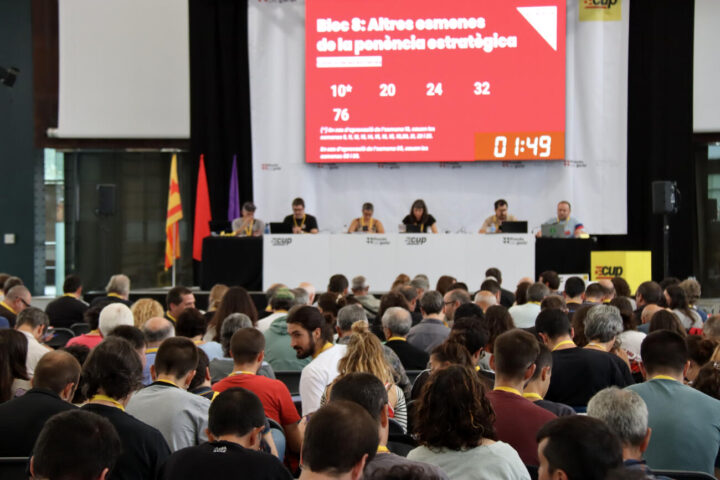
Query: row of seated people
[
  {"x": 513, "y": 420},
  {"x": 315, "y": 379}
]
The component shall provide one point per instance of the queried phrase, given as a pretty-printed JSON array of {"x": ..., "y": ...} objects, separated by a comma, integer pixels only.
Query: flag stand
[{"x": 175, "y": 233}]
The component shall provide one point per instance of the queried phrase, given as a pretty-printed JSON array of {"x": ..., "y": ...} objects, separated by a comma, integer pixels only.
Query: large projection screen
[
  {"x": 124, "y": 69},
  {"x": 706, "y": 70},
  {"x": 459, "y": 195}
]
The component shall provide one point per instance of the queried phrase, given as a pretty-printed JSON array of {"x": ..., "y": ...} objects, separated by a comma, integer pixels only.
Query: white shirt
[
  {"x": 317, "y": 375},
  {"x": 498, "y": 461},
  {"x": 264, "y": 323},
  {"x": 36, "y": 350},
  {"x": 524, "y": 315}
]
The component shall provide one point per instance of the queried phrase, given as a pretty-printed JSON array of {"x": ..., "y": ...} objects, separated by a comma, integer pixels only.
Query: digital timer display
[
  {"x": 429, "y": 81},
  {"x": 520, "y": 146}
]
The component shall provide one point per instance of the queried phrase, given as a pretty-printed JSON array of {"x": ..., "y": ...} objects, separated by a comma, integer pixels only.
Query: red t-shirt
[
  {"x": 273, "y": 394},
  {"x": 517, "y": 421},
  {"x": 90, "y": 341}
]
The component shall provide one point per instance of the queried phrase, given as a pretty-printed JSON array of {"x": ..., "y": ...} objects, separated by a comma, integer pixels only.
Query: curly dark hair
[
  {"x": 453, "y": 411},
  {"x": 708, "y": 380},
  {"x": 497, "y": 321}
]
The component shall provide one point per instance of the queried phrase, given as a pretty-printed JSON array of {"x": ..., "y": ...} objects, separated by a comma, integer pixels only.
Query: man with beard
[{"x": 311, "y": 336}]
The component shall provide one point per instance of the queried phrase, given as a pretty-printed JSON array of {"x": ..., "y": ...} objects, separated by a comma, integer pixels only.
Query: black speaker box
[
  {"x": 106, "y": 199},
  {"x": 664, "y": 197}
]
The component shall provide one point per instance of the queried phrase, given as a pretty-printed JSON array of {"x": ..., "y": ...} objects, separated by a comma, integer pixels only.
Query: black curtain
[
  {"x": 660, "y": 87},
  {"x": 220, "y": 98}
]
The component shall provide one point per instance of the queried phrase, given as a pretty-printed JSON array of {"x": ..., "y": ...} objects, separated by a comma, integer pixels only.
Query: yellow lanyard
[
  {"x": 169, "y": 383},
  {"x": 241, "y": 372},
  {"x": 396, "y": 338},
  {"x": 115, "y": 295},
  {"x": 663, "y": 377},
  {"x": 68, "y": 295},
  {"x": 170, "y": 316},
  {"x": 370, "y": 225},
  {"x": 325, "y": 347},
  {"x": 8, "y": 307},
  {"x": 509, "y": 390},
  {"x": 564, "y": 342},
  {"x": 105, "y": 398},
  {"x": 595, "y": 346},
  {"x": 150, "y": 350},
  {"x": 249, "y": 228},
  {"x": 302, "y": 224},
  {"x": 532, "y": 396},
  {"x": 383, "y": 449}
]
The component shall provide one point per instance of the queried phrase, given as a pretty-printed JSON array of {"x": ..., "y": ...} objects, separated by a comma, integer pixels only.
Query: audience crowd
[{"x": 556, "y": 380}]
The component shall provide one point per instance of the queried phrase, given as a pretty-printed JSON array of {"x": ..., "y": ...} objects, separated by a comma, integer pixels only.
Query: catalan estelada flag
[{"x": 174, "y": 214}]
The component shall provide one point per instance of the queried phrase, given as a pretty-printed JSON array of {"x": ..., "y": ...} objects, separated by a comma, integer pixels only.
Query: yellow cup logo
[{"x": 600, "y": 10}]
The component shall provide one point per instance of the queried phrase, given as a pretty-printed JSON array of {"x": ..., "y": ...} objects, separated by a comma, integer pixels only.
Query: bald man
[
  {"x": 310, "y": 288},
  {"x": 56, "y": 377},
  {"x": 646, "y": 316},
  {"x": 16, "y": 300},
  {"x": 156, "y": 330}
]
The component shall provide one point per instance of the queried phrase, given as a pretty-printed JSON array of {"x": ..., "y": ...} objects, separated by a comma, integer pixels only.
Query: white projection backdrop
[
  {"x": 706, "y": 67},
  {"x": 124, "y": 69},
  {"x": 460, "y": 196}
]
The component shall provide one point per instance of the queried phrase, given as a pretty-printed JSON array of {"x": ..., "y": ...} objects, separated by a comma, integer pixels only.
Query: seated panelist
[
  {"x": 419, "y": 220},
  {"x": 299, "y": 221},
  {"x": 366, "y": 223},
  {"x": 565, "y": 225},
  {"x": 492, "y": 223},
  {"x": 248, "y": 225}
]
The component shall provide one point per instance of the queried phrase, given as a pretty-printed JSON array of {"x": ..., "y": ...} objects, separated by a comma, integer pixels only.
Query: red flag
[
  {"x": 202, "y": 211},
  {"x": 174, "y": 214}
]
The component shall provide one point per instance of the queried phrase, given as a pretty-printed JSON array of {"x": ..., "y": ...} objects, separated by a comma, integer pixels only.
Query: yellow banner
[
  {"x": 600, "y": 10},
  {"x": 634, "y": 267}
]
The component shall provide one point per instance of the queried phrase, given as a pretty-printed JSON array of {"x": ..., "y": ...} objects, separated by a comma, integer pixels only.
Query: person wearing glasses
[
  {"x": 366, "y": 223},
  {"x": 299, "y": 221},
  {"x": 16, "y": 300}
]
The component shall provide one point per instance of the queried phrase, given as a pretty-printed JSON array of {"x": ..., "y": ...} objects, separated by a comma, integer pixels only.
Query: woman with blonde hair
[
  {"x": 400, "y": 281},
  {"x": 217, "y": 292},
  {"x": 365, "y": 354},
  {"x": 145, "y": 309}
]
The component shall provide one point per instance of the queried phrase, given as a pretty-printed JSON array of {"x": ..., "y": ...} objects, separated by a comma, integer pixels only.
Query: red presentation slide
[{"x": 434, "y": 81}]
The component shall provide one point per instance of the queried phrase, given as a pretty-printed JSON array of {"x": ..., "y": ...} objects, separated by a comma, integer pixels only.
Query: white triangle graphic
[{"x": 544, "y": 21}]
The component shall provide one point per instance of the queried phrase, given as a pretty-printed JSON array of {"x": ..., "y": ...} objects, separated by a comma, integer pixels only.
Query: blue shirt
[{"x": 685, "y": 426}]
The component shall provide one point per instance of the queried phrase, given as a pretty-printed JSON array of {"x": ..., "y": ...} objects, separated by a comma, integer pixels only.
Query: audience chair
[
  {"x": 412, "y": 374},
  {"x": 60, "y": 336},
  {"x": 395, "y": 428},
  {"x": 683, "y": 475},
  {"x": 401, "y": 444},
  {"x": 14, "y": 468},
  {"x": 80, "y": 328},
  {"x": 291, "y": 379}
]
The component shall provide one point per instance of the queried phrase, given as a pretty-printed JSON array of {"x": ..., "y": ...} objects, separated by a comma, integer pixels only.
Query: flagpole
[{"x": 175, "y": 232}]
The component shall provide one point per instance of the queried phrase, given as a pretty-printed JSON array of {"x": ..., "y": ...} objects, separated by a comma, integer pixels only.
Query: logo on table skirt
[
  {"x": 281, "y": 241},
  {"x": 514, "y": 241},
  {"x": 377, "y": 241},
  {"x": 600, "y": 10},
  {"x": 415, "y": 240},
  {"x": 607, "y": 272}
]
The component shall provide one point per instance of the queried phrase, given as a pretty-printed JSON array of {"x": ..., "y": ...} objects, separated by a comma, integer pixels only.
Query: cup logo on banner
[
  {"x": 607, "y": 272},
  {"x": 377, "y": 241},
  {"x": 600, "y": 10},
  {"x": 417, "y": 241},
  {"x": 281, "y": 242}
]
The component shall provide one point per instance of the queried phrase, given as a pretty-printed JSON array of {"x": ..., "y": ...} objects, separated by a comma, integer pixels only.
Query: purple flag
[{"x": 234, "y": 202}]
